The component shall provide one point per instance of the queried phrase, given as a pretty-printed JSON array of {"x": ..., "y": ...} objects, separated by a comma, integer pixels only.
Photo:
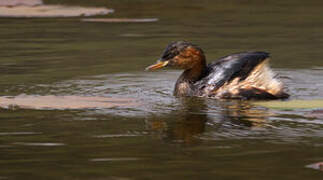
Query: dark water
[{"x": 164, "y": 137}]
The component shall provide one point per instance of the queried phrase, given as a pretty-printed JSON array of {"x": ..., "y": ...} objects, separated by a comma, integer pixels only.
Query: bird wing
[{"x": 230, "y": 67}]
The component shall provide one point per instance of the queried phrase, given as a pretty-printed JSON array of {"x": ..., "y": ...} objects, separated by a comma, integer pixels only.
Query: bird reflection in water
[
  {"x": 183, "y": 124},
  {"x": 243, "y": 114},
  {"x": 189, "y": 121}
]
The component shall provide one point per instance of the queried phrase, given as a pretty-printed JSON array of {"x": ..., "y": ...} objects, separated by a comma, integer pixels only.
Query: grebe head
[{"x": 180, "y": 54}]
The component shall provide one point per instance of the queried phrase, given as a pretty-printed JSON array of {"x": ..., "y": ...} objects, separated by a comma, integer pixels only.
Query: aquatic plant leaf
[
  {"x": 12, "y": 3},
  {"x": 64, "y": 102},
  {"x": 292, "y": 104},
  {"x": 316, "y": 166},
  {"x": 117, "y": 20},
  {"x": 51, "y": 11}
]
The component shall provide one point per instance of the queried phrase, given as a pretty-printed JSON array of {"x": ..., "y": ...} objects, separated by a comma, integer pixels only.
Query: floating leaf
[
  {"x": 316, "y": 166},
  {"x": 64, "y": 102},
  {"x": 12, "y": 3},
  {"x": 118, "y": 20},
  {"x": 51, "y": 11},
  {"x": 292, "y": 104}
]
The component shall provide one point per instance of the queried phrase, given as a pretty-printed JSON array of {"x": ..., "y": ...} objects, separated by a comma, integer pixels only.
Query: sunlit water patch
[
  {"x": 304, "y": 84},
  {"x": 181, "y": 120},
  {"x": 189, "y": 119},
  {"x": 154, "y": 90}
]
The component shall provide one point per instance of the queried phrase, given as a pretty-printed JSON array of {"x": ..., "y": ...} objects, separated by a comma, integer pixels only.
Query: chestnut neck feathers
[
  {"x": 192, "y": 60},
  {"x": 196, "y": 67}
]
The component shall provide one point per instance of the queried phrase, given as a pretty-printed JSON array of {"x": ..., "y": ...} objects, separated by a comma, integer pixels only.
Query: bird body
[{"x": 244, "y": 75}]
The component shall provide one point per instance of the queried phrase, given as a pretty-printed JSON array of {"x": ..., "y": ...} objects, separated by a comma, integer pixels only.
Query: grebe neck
[{"x": 185, "y": 83}]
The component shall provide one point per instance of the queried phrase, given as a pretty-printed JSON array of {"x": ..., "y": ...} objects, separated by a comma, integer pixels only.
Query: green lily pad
[{"x": 292, "y": 104}]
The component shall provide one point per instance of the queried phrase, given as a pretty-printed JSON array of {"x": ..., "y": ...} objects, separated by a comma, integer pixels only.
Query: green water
[{"x": 164, "y": 137}]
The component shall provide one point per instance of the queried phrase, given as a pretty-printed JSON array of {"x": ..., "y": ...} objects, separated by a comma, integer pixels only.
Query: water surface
[{"x": 164, "y": 137}]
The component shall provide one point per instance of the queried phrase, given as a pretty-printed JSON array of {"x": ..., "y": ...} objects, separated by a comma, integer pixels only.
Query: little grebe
[{"x": 244, "y": 75}]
